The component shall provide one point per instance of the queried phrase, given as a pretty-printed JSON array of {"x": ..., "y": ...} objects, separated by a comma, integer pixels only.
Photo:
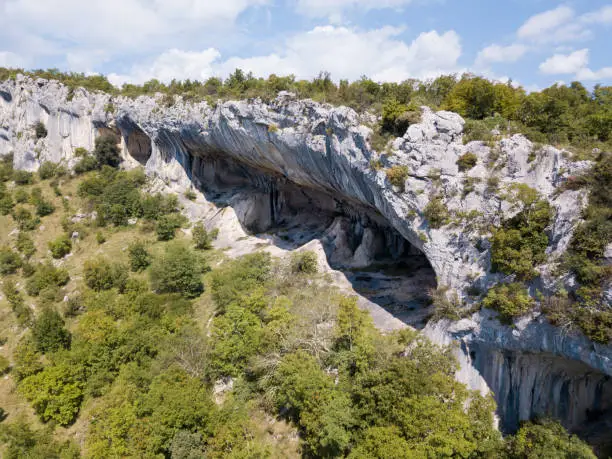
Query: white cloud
[
  {"x": 172, "y": 64},
  {"x": 562, "y": 64},
  {"x": 334, "y": 8},
  {"x": 586, "y": 74},
  {"x": 601, "y": 16},
  {"x": 543, "y": 23},
  {"x": 496, "y": 53},
  {"x": 345, "y": 52},
  {"x": 116, "y": 26},
  {"x": 349, "y": 53}
]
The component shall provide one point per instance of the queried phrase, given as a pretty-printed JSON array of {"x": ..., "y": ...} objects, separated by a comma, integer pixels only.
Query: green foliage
[
  {"x": 178, "y": 270},
  {"x": 304, "y": 262},
  {"x": 46, "y": 275},
  {"x": 60, "y": 247},
  {"x": 397, "y": 176},
  {"x": 100, "y": 237},
  {"x": 85, "y": 164},
  {"x": 191, "y": 195},
  {"x": 547, "y": 439},
  {"x": 56, "y": 392},
  {"x": 27, "y": 359},
  {"x": 5, "y": 366},
  {"x": 520, "y": 244},
  {"x": 101, "y": 274},
  {"x": 510, "y": 300},
  {"x": 240, "y": 276},
  {"x": 23, "y": 177},
  {"x": 21, "y": 441},
  {"x": 140, "y": 258},
  {"x": 24, "y": 219},
  {"x": 40, "y": 130},
  {"x": 17, "y": 302},
  {"x": 467, "y": 161},
  {"x": 49, "y": 333},
  {"x": 106, "y": 151},
  {"x": 202, "y": 239},
  {"x": 396, "y": 117},
  {"x": 10, "y": 261},
  {"x": 49, "y": 170},
  {"x": 167, "y": 225},
  {"x": 436, "y": 213}
]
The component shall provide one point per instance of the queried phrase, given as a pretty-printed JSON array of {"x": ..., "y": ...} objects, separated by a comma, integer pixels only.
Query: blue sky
[{"x": 533, "y": 42}]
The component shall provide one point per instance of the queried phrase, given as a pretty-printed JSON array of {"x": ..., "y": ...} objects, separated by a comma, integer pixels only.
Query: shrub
[
  {"x": 48, "y": 332},
  {"x": 520, "y": 244},
  {"x": 23, "y": 177},
  {"x": 21, "y": 196},
  {"x": 80, "y": 152},
  {"x": 510, "y": 300},
  {"x": 46, "y": 275},
  {"x": 100, "y": 237},
  {"x": 178, "y": 270},
  {"x": 48, "y": 170},
  {"x": 44, "y": 207},
  {"x": 397, "y": 176},
  {"x": 6, "y": 203},
  {"x": 202, "y": 239},
  {"x": 17, "y": 302},
  {"x": 86, "y": 163},
  {"x": 106, "y": 151},
  {"x": 304, "y": 262},
  {"x": 56, "y": 392},
  {"x": 24, "y": 219},
  {"x": 139, "y": 256},
  {"x": 10, "y": 261},
  {"x": 5, "y": 365},
  {"x": 100, "y": 274},
  {"x": 436, "y": 213},
  {"x": 40, "y": 130},
  {"x": 467, "y": 161},
  {"x": 191, "y": 195},
  {"x": 60, "y": 247},
  {"x": 25, "y": 244},
  {"x": 167, "y": 225}
]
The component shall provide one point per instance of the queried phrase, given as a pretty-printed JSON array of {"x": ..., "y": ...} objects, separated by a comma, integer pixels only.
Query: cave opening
[
  {"x": 137, "y": 142},
  {"x": 381, "y": 265}
]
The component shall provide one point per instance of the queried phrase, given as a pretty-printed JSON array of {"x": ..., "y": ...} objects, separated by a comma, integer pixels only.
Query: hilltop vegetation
[{"x": 128, "y": 344}]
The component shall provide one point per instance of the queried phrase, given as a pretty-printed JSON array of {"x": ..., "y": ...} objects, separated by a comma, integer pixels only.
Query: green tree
[
  {"x": 55, "y": 392},
  {"x": 46, "y": 275},
  {"x": 25, "y": 244},
  {"x": 49, "y": 333},
  {"x": 202, "y": 239},
  {"x": 547, "y": 440},
  {"x": 26, "y": 358},
  {"x": 106, "y": 151},
  {"x": 178, "y": 270},
  {"x": 510, "y": 300},
  {"x": 10, "y": 261},
  {"x": 60, "y": 247},
  {"x": 101, "y": 274},
  {"x": 140, "y": 258}
]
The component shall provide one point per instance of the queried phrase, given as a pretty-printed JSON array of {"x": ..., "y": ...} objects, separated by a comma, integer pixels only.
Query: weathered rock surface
[{"x": 310, "y": 164}]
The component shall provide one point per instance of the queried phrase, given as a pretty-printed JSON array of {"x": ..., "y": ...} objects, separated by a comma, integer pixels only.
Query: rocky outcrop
[{"x": 309, "y": 164}]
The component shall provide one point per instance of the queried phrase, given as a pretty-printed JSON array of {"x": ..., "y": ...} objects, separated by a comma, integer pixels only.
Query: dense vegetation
[{"x": 136, "y": 347}]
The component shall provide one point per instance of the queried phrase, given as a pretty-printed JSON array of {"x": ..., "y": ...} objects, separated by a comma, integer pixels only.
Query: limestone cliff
[{"x": 302, "y": 163}]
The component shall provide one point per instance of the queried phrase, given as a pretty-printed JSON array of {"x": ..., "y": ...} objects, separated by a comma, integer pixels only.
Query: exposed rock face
[{"x": 309, "y": 164}]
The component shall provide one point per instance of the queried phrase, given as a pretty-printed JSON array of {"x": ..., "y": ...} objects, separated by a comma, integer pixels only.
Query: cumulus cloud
[
  {"x": 171, "y": 64},
  {"x": 601, "y": 16},
  {"x": 496, "y": 54},
  {"x": 542, "y": 23},
  {"x": 586, "y": 74},
  {"x": 345, "y": 52},
  {"x": 116, "y": 26},
  {"x": 563, "y": 64}
]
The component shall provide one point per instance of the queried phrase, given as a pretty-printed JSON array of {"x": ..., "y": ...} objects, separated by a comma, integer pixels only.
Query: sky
[{"x": 535, "y": 43}]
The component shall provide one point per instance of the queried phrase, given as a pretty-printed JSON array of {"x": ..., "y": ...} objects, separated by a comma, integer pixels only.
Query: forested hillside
[{"x": 126, "y": 334}]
